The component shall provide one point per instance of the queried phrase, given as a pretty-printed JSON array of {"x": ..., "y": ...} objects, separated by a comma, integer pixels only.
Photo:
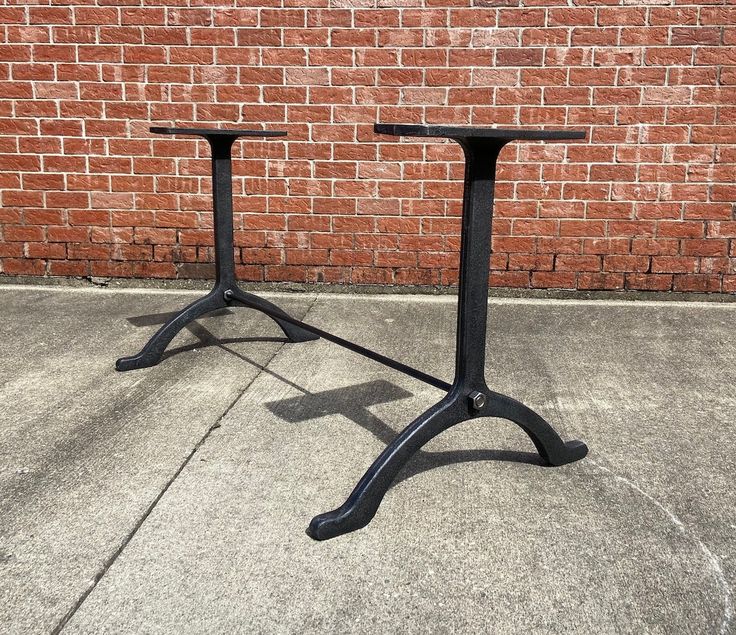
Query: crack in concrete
[
  {"x": 713, "y": 561},
  {"x": 131, "y": 534}
]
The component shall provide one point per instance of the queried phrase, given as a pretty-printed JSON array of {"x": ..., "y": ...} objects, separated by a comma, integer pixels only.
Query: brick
[
  {"x": 697, "y": 283},
  {"x": 88, "y": 251},
  {"x": 717, "y": 265},
  {"x": 566, "y": 262},
  {"x": 577, "y": 16},
  {"x": 68, "y": 268},
  {"x": 497, "y": 278},
  {"x": 395, "y": 259},
  {"x": 371, "y": 275},
  {"x": 623, "y": 16},
  {"x": 18, "y": 198},
  {"x": 625, "y": 263},
  {"x": 604, "y": 246},
  {"x": 613, "y": 173},
  {"x": 531, "y": 262},
  {"x": 648, "y": 282},
  {"x": 153, "y": 270},
  {"x": 553, "y": 279},
  {"x": 680, "y": 229},
  {"x": 25, "y": 266},
  {"x": 596, "y": 209},
  {"x": 655, "y": 246},
  {"x": 350, "y": 257},
  {"x": 521, "y": 17},
  {"x": 23, "y": 233},
  {"x": 377, "y": 241},
  {"x": 535, "y": 227},
  {"x": 694, "y": 35},
  {"x": 588, "y": 228},
  {"x": 519, "y": 56},
  {"x": 330, "y": 241},
  {"x": 600, "y": 281},
  {"x": 513, "y": 244},
  {"x": 674, "y": 264},
  {"x": 633, "y": 228},
  {"x": 12, "y": 250},
  {"x": 721, "y": 229},
  {"x": 592, "y": 76},
  {"x": 438, "y": 260},
  {"x": 705, "y": 247}
]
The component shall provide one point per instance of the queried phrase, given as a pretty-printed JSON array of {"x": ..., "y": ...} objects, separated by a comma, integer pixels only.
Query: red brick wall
[{"x": 646, "y": 203}]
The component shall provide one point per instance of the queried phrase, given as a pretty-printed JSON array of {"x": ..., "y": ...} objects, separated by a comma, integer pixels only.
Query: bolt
[
  {"x": 477, "y": 400},
  {"x": 228, "y": 295}
]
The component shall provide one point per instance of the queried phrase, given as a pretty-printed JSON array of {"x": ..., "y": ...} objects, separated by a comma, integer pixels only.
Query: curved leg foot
[
  {"x": 154, "y": 349},
  {"x": 362, "y": 505},
  {"x": 548, "y": 443},
  {"x": 292, "y": 332}
]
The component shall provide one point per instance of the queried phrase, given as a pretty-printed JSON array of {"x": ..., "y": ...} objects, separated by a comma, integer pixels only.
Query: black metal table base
[
  {"x": 226, "y": 291},
  {"x": 468, "y": 397}
]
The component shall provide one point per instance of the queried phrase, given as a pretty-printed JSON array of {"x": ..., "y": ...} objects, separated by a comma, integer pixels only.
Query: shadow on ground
[{"x": 351, "y": 402}]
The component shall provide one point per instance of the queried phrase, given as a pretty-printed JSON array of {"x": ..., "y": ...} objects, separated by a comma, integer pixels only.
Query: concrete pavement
[{"x": 175, "y": 498}]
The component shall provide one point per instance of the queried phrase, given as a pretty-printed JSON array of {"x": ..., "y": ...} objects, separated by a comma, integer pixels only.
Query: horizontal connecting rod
[{"x": 356, "y": 348}]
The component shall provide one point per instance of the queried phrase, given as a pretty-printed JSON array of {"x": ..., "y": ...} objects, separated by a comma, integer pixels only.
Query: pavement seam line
[
  {"x": 149, "y": 510},
  {"x": 450, "y": 298}
]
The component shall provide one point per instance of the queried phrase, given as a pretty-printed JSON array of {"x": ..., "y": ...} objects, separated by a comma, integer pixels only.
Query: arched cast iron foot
[
  {"x": 218, "y": 298},
  {"x": 362, "y": 504},
  {"x": 292, "y": 332},
  {"x": 154, "y": 349},
  {"x": 548, "y": 443}
]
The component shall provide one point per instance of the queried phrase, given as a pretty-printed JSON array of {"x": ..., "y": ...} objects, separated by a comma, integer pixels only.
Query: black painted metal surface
[
  {"x": 474, "y": 132},
  {"x": 469, "y": 396},
  {"x": 218, "y": 132},
  {"x": 221, "y": 142}
]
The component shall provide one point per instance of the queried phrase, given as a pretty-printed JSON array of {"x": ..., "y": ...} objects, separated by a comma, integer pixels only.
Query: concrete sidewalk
[{"x": 174, "y": 499}]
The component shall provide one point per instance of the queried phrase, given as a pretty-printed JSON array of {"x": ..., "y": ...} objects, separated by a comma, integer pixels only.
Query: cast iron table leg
[
  {"x": 469, "y": 396},
  {"x": 226, "y": 290}
]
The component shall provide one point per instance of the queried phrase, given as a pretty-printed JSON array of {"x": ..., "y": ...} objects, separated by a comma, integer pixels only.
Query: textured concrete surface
[
  {"x": 84, "y": 450},
  {"x": 174, "y": 499}
]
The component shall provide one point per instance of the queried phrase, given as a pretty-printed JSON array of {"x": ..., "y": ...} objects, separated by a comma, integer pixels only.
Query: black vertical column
[
  {"x": 222, "y": 204},
  {"x": 475, "y": 255}
]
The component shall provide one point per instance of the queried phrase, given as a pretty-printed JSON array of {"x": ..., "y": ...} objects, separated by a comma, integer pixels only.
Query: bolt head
[{"x": 477, "y": 400}]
